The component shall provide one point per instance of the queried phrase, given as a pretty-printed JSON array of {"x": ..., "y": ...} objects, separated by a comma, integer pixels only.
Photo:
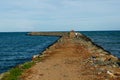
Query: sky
[{"x": 59, "y": 15}]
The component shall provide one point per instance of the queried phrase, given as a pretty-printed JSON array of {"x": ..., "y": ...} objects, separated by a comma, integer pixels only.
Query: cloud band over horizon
[{"x": 63, "y": 15}]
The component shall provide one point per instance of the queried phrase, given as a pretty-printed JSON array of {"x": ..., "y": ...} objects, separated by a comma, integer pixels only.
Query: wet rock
[
  {"x": 113, "y": 58},
  {"x": 104, "y": 63},
  {"x": 117, "y": 74},
  {"x": 118, "y": 63},
  {"x": 110, "y": 73},
  {"x": 94, "y": 57},
  {"x": 113, "y": 74},
  {"x": 101, "y": 59},
  {"x": 35, "y": 56}
]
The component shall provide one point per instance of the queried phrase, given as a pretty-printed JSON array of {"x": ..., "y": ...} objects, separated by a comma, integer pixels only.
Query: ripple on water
[{"x": 17, "y": 48}]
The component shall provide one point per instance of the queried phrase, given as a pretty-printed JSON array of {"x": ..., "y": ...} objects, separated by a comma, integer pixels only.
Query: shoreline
[{"x": 94, "y": 57}]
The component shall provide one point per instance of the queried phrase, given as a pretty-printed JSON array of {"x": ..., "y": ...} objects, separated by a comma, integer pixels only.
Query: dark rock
[{"x": 118, "y": 63}]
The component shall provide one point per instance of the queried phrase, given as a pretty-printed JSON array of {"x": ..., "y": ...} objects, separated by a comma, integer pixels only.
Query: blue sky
[{"x": 59, "y": 15}]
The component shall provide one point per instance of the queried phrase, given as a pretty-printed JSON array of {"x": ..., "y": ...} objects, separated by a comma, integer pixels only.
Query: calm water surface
[
  {"x": 17, "y": 48},
  {"x": 109, "y": 40}
]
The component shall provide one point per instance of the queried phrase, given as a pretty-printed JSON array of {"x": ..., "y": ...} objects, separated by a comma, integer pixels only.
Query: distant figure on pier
[{"x": 72, "y": 34}]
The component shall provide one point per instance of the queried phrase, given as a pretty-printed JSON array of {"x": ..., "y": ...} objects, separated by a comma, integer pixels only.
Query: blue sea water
[
  {"x": 17, "y": 48},
  {"x": 109, "y": 40}
]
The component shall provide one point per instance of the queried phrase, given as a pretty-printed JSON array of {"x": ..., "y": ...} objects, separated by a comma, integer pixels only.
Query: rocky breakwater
[{"x": 74, "y": 57}]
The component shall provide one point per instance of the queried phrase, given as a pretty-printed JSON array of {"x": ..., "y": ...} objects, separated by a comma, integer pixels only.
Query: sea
[
  {"x": 18, "y": 47},
  {"x": 109, "y": 40}
]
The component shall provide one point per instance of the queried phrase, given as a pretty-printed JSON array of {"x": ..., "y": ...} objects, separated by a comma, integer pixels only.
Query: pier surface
[
  {"x": 48, "y": 33},
  {"x": 73, "y": 57}
]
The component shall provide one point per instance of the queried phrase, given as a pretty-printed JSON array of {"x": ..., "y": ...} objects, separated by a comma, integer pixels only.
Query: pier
[
  {"x": 74, "y": 57},
  {"x": 59, "y": 34}
]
